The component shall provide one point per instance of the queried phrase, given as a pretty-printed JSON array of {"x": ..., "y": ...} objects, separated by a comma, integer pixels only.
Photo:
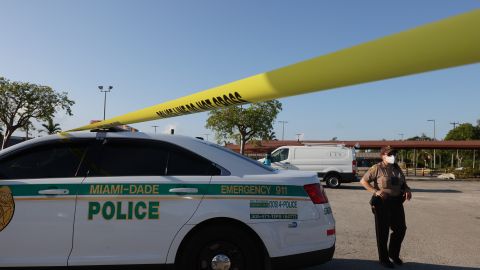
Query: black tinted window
[
  {"x": 185, "y": 163},
  {"x": 47, "y": 161},
  {"x": 146, "y": 158},
  {"x": 129, "y": 158}
]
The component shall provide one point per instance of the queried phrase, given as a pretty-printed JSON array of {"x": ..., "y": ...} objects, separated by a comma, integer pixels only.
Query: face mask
[{"x": 390, "y": 159}]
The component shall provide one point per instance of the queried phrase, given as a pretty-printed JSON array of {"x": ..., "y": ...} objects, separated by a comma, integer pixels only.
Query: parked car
[
  {"x": 102, "y": 198},
  {"x": 334, "y": 164}
]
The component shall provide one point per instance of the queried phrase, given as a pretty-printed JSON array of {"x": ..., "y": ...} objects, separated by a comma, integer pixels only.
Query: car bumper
[{"x": 303, "y": 260}]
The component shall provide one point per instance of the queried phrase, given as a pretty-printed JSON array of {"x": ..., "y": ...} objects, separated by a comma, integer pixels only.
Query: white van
[{"x": 334, "y": 164}]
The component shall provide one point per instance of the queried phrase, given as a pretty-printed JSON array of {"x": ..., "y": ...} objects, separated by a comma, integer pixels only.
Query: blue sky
[{"x": 155, "y": 51}]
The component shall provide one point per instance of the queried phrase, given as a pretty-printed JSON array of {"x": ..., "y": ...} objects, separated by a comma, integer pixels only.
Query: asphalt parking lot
[{"x": 443, "y": 227}]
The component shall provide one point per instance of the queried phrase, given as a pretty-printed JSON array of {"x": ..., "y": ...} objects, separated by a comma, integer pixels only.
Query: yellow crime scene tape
[{"x": 454, "y": 41}]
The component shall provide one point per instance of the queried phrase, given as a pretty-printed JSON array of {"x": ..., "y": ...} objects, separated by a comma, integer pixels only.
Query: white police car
[{"x": 103, "y": 198}]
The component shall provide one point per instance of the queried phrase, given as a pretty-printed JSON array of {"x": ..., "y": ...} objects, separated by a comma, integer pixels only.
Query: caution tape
[{"x": 454, "y": 41}]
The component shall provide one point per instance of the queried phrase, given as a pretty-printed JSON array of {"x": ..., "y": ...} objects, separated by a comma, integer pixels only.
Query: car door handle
[
  {"x": 183, "y": 190},
  {"x": 54, "y": 192}
]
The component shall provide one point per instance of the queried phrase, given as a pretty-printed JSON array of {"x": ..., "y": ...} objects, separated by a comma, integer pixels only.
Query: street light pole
[
  {"x": 105, "y": 99},
  {"x": 283, "y": 128},
  {"x": 155, "y": 127},
  {"x": 434, "y": 138}
]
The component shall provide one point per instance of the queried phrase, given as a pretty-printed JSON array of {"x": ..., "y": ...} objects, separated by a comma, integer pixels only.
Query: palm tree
[
  {"x": 50, "y": 127},
  {"x": 270, "y": 136}
]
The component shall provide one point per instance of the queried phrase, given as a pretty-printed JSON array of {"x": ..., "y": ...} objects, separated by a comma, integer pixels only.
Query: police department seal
[{"x": 7, "y": 206}]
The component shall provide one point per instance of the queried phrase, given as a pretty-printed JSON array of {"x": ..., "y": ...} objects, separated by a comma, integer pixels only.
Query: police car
[{"x": 103, "y": 198}]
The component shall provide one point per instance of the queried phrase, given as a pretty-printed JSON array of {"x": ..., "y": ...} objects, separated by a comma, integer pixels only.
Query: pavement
[{"x": 443, "y": 227}]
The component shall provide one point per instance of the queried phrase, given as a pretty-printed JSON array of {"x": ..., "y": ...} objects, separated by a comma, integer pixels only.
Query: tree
[
  {"x": 28, "y": 128},
  {"x": 423, "y": 137},
  {"x": 50, "y": 127},
  {"x": 20, "y": 103},
  {"x": 271, "y": 136},
  {"x": 244, "y": 124},
  {"x": 463, "y": 132}
]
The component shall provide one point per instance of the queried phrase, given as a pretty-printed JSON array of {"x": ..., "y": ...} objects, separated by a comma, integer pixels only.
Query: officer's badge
[{"x": 7, "y": 206}]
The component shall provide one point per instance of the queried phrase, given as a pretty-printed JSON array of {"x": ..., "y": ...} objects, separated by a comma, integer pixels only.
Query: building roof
[
  {"x": 474, "y": 144},
  {"x": 268, "y": 146}
]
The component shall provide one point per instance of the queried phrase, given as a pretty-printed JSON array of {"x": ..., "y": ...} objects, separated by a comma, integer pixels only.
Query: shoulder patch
[{"x": 374, "y": 167}]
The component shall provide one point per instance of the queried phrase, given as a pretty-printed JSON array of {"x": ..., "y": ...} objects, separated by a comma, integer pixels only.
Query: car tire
[
  {"x": 333, "y": 181},
  {"x": 219, "y": 242}
]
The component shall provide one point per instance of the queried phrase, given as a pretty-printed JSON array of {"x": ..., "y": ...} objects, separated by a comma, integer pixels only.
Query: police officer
[{"x": 387, "y": 183}]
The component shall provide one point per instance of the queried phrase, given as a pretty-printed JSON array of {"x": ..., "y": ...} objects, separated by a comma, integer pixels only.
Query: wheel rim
[
  {"x": 220, "y": 254},
  {"x": 333, "y": 181},
  {"x": 221, "y": 262}
]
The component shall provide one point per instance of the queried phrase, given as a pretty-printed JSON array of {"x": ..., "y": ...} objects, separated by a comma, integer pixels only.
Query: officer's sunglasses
[{"x": 391, "y": 154}]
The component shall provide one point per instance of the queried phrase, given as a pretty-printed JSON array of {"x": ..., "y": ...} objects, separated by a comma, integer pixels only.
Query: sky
[{"x": 156, "y": 51}]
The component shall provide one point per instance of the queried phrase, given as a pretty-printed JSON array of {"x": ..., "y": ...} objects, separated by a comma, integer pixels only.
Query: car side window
[
  {"x": 57, "y": 160},
  {"x": 185, "y": 163},
  {"x": 280, "y": 155},
  {"x": 146, "y": 158},
  {"x": 128, "y": 158}
]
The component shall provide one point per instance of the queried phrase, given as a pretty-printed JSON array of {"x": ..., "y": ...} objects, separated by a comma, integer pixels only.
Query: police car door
[
  {"x": 38, "y": 186},
  {"x": 136, "y": 198}
]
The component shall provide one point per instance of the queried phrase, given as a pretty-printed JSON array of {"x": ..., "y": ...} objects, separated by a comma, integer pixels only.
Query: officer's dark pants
[{"x": 389, "y": 214}]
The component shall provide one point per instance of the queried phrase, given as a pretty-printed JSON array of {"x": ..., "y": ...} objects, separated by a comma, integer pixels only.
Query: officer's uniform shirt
[{"x": 387, "y": 178}]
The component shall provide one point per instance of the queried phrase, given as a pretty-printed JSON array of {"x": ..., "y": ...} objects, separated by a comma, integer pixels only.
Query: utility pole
[
  {"x": 434, "y": 139},
  {"x": 454, "y": 125},
  {"x": 155, "y": 127},
  {"x": 283, "y": 128},
  {"x": 206, "y": 135},
  {"x": 105, "y": 99}
]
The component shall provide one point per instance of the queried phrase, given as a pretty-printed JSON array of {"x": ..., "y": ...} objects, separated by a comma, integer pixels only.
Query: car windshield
[{"x": 280, "y": 155}]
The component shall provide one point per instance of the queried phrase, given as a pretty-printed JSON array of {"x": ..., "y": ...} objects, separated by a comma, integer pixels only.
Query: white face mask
[{"x": 390, "y": 159}]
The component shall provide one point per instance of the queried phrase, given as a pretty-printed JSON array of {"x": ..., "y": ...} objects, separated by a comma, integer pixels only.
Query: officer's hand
[
  {"x": 379, "y": 193},
  {"x": 408, "y": 195}
]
